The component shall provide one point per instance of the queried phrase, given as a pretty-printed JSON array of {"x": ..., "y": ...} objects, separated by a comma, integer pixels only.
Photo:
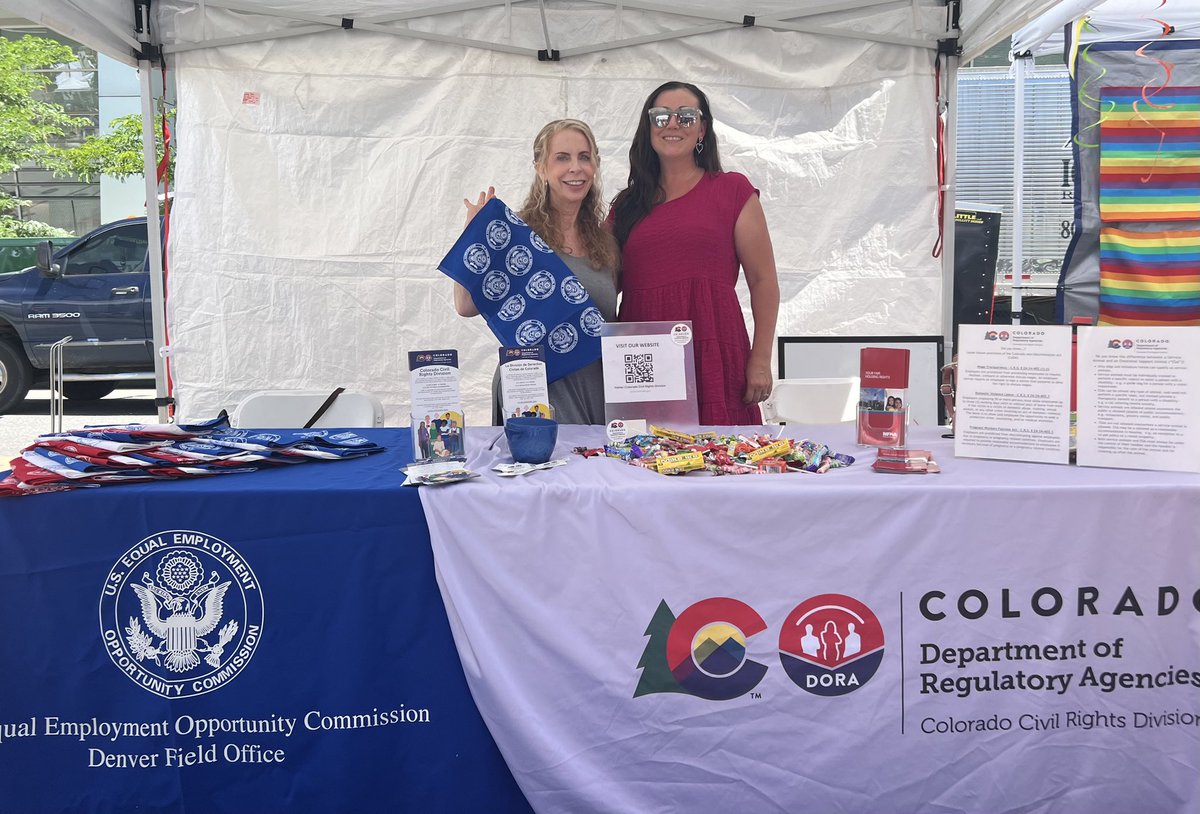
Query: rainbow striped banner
[
  {"x": 1149, "y": 278},
  {"x": 1150, "y": 154}
]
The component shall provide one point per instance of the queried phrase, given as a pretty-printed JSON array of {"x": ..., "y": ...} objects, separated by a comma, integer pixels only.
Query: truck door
[{"x": 100, "y": 300}]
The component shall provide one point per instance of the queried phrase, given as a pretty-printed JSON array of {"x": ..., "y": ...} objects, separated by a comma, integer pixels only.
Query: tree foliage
[
  {"x": 32, "y": 129},
  {"x": 28, "y": 123},
  {"x": 117, "y": 153}
]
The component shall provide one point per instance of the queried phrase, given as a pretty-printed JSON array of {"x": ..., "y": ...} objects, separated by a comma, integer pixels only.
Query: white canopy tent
[{"x": 325, "y": 148}]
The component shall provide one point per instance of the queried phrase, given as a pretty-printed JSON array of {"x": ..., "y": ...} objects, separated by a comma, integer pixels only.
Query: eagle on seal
[{"x": 182, "y": 629}]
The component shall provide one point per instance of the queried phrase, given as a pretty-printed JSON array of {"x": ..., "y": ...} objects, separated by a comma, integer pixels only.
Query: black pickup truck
[{"x": 95, "y": 290}]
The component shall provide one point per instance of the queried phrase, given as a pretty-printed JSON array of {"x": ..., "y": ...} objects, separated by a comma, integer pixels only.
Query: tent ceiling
[
  {"x": 106, "y": 25},
  {"x": 1114, "y": 20}
]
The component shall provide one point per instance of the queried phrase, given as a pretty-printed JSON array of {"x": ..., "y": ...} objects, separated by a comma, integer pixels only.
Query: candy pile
[
  {"x": 99, "y": 456},
  {"x": 669, "y": 452}
]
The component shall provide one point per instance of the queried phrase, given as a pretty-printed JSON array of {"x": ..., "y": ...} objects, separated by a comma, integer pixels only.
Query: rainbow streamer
[
  {"x": 1149, "y": 278},
  {"x": 1150, "y": 155}
]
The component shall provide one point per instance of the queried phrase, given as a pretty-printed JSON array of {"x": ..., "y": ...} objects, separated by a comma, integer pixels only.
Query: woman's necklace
[{"x": 572, "y": 245}]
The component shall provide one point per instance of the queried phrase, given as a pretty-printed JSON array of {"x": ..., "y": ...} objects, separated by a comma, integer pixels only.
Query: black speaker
[
  {"x": 1035, "y": 310},
  {"x": 976, "y": 245}
]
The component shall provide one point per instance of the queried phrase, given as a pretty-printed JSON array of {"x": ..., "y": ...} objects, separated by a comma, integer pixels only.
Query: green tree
[
  {"x": 117, "y": 153},
  {"x": 32, "y": 129},
  {"x": 29, "y": 124},
  {"x": 656, "y": 671}
]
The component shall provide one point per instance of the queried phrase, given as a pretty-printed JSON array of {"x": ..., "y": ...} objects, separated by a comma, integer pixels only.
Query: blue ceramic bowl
[{"x": 531, "y": 439}]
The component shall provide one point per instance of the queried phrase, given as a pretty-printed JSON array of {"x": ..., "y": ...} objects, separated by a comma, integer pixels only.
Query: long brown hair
[
  {"x": 642, "y": 194},
  {"x": 539, "y": 214}
]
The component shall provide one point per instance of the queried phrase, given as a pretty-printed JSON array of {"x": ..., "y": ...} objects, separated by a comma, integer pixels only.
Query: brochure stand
[
  {"x": 523, "y": 389},
  {"x": 438, "y": 429},
  {"x": 650, "y": 373}
]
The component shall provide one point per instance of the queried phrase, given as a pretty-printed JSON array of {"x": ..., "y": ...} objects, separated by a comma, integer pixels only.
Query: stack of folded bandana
[{"x": 97, "y": 456}]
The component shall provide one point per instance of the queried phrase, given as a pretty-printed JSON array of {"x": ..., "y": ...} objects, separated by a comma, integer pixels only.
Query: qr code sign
[{"x": 639, "y": 368}]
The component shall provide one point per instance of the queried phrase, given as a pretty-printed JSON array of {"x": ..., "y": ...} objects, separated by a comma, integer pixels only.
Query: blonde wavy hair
[{"x": 600, "y": 246}]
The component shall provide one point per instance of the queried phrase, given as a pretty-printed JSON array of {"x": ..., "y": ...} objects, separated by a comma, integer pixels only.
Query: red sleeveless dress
[{"x": 679, "y": 263}]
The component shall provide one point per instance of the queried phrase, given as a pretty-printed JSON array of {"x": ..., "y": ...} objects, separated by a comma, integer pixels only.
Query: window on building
[{"x": 986, "y": 130}]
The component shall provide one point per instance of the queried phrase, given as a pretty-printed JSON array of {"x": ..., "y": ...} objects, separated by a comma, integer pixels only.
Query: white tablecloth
[{"x": 1030, "y": 634}]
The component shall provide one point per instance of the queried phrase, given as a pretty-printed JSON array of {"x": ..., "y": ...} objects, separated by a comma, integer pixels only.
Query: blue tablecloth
[{"x": 348, "y": 682}]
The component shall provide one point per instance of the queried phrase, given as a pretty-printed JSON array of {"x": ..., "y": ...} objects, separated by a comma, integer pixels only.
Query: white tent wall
[
  {"x": 321, "y": 178},
  {"x": 320, "y": 175}
]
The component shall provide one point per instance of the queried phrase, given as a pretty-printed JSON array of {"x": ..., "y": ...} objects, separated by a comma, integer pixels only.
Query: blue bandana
[{"x": 525, "y": 292}]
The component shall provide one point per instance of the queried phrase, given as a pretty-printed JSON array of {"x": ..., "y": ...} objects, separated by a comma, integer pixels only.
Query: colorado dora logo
[
  {"x": 829, "y": 645},
  {"x": 181, "y": 613}
]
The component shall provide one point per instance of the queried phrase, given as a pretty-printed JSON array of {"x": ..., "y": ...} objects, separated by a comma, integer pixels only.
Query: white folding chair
[
  {"x": 812, "y": 401},
  {"x": 293, "y": 408}
]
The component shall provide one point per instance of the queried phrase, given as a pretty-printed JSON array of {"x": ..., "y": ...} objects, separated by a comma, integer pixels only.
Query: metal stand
[{"x": 56, "y": 384}]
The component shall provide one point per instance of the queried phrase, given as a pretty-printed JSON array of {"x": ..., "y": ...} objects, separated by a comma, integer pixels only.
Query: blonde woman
[{"x": 565, "y": 207}]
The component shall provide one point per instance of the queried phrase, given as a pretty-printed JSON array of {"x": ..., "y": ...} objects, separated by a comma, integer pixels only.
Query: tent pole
[
  {"x": 951, "y": 151},
  {"x": 1018, "y": 228},
  {"x": 154, "y": 233}
]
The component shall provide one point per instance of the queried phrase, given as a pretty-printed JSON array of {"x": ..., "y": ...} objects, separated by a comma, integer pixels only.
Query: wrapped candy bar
[
  {"x": 622, "y": 453},
  {"x": 674, "y": 435},
  {"x": 678, "y": 464},
  {"x": 773, "y": 450},
  {"x": 769, "y": 466}
]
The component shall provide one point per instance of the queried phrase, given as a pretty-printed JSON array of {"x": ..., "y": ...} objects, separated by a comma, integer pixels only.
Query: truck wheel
[
  {"x": 15, "y": 376},
  {"x": 87, "y": 391}
]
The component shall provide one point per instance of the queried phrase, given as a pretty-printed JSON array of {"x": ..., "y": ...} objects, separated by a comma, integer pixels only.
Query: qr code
[{"x": 639, "y": 368}]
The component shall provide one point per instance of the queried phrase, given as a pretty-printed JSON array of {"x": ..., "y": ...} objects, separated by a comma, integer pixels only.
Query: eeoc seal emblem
[
  {"x": 563, "y": 338},
  {"x": 519, "y": 260},
  {"x": 540, "y": 285},
  {"x": 530, "y": 332},
  {"x": 476, "y": 258},
  {"x": 181, "y": 613},
  {"x": 513, "y": 307},
  {"x": 513, "y": 217},
  {"x": 536, "y": 241},
  {"x": 498, "y": 234},
  {"x": 495, "y": 285},
  {"x": 573, "y": 290},
  {"x": 592, "y": 321}
]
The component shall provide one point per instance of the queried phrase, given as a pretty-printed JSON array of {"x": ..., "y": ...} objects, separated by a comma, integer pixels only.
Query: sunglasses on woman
[{"x": 660, "y": 117}]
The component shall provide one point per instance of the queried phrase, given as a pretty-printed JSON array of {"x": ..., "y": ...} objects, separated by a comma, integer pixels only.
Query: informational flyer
[
  {"x": 1014, "y": 393},
  {"x": 1138, "y": 397},
  {"x": 883, "y": 395},
  {"x": 523, "y": 382},
  {"x": 649, "y": 372},
  {"x": 643, "y": 368},
  {"x": 437, "y": 417}
]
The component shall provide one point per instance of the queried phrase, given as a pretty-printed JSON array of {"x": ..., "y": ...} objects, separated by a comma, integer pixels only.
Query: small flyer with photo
[
  {"x": 523, "y": 389},
  {"x": 438, "y": 428},
  {"x": 883, "y": 396}
]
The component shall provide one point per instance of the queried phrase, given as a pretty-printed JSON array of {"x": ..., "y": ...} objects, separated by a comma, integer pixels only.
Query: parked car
[{"x": 95, "y": 290}]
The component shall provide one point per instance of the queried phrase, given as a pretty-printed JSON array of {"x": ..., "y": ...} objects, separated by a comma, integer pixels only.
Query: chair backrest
[
  {"x": 813, "y": 401},
  {"x": 293, "y": 408}
]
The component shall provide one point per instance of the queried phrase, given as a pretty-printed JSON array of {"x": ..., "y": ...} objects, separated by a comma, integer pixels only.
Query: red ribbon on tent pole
[{"x": 163, "y": 177}]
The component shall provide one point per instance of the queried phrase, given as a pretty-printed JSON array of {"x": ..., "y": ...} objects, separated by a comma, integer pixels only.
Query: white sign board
[
  {"x": 1138, "y": 392},
  {"x": 1014, "y": 393}
]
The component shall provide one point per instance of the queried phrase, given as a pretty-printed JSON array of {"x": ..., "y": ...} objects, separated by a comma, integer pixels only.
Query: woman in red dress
[{"x": 685, "y": 227}]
